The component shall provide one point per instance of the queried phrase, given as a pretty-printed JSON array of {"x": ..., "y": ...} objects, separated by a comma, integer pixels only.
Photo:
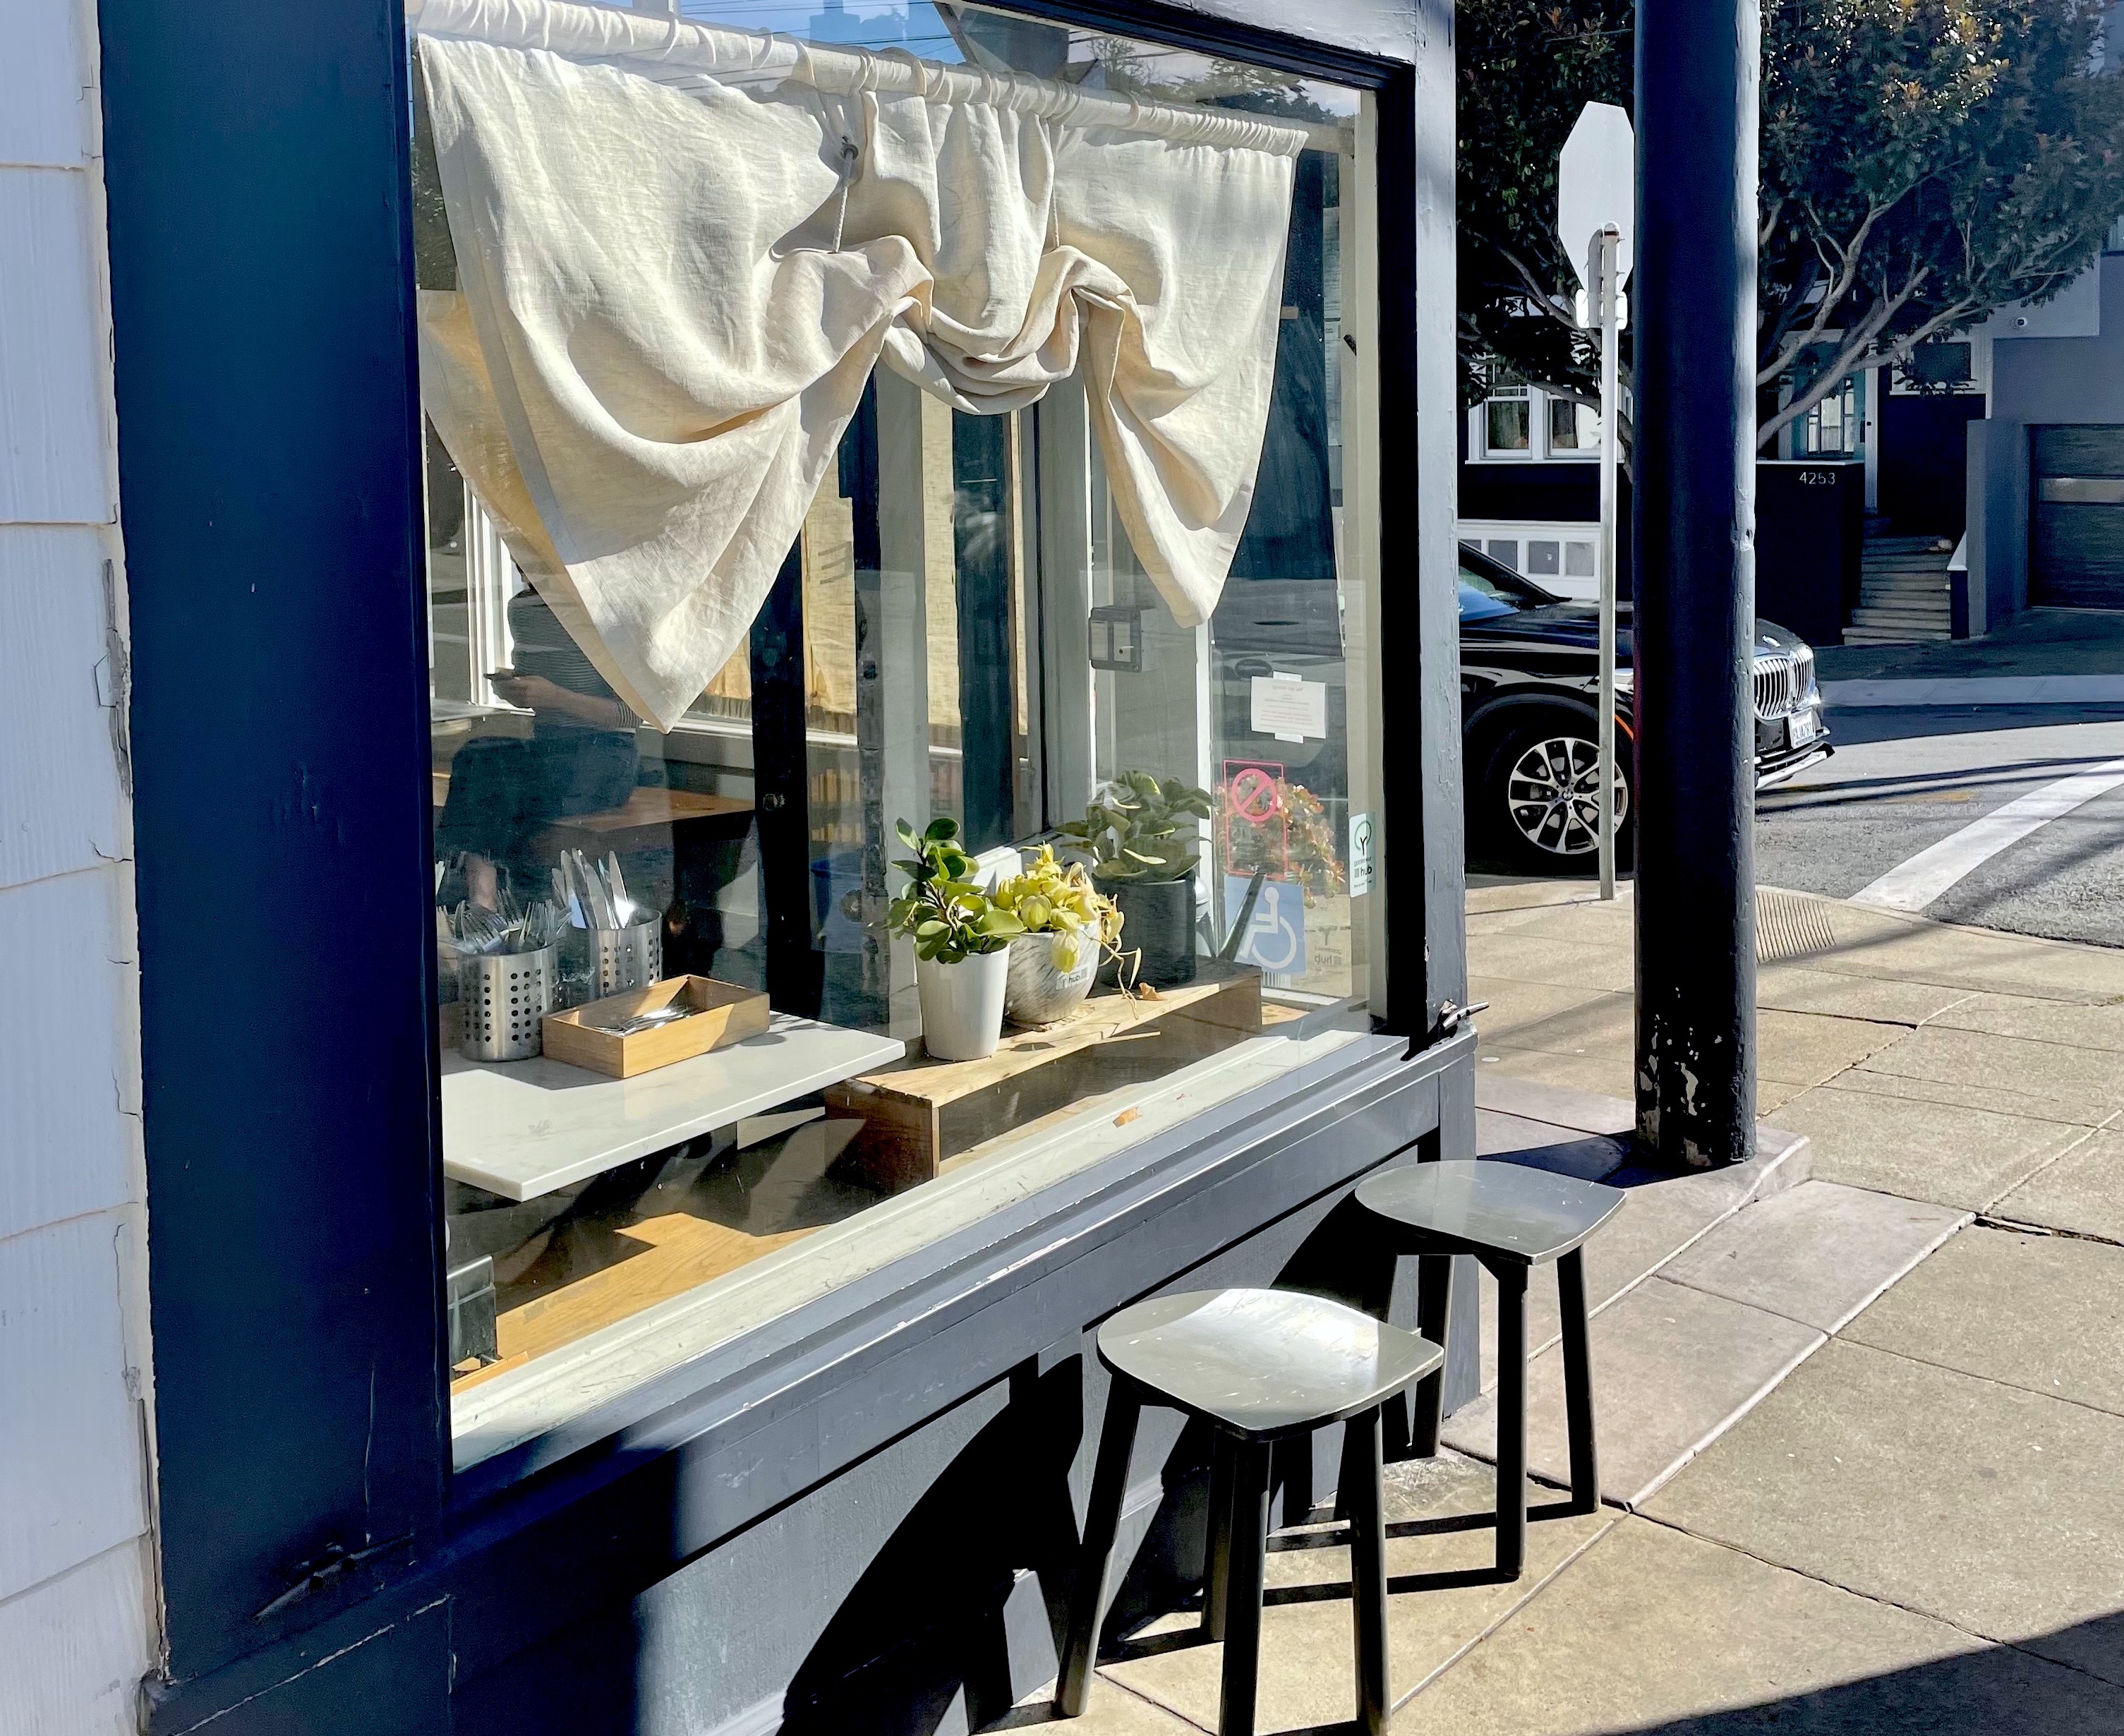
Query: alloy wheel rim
[{"x": 1552, "y": 794}]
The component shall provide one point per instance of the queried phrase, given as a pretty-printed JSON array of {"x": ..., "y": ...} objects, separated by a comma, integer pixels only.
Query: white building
[{"x": 78, "y": 1628}]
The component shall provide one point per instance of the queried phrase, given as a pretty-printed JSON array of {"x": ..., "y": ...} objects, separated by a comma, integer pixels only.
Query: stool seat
[
  {"x": 1512, "y": 1218},
  {"x": 1495, "y": 1212},
  {"x": 1263, "y": 1363},
  {"x": 1256, "y": 1365}
]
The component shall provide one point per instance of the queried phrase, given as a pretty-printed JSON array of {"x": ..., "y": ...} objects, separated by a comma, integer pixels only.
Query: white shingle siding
[{"x": 78, "y": 1626}]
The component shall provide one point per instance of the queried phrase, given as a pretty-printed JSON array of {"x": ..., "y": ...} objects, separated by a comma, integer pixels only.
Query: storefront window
[{"x": 971, "y": 437}]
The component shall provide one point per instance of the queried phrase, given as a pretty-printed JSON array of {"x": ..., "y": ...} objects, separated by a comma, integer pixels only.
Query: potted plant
[
  {"x": 961, "y": 944},
  {"x": 1145, "y": 837},
  {"x": 1068, "y": 924}
]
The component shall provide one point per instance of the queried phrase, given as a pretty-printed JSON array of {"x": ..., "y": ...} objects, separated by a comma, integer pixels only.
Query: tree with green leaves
[{"x": 1923, "y": 163}]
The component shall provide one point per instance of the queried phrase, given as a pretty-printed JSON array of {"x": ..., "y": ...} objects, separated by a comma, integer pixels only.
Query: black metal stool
[
  {"x": 1512, "y": 1218},
  {"x": 1257, "y": 1366}
]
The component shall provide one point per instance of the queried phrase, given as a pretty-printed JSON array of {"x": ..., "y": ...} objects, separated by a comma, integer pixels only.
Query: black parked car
[{"x": 1529, "y": 692}]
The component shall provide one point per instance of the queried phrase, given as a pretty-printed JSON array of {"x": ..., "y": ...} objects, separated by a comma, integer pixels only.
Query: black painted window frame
[{"x": 269, "y": 469}]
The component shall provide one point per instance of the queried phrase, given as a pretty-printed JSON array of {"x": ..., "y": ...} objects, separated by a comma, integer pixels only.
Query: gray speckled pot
[{"x": 1040, "y": 991}]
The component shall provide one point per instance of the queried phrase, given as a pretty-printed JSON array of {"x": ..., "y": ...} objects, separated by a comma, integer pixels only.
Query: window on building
[
  {"x": 762, "y": 521},
  {"x": 1573, "y": 428},
  {"x": 1508, "y": 422},
  {"x": 1524, "y": 423},
  {"x": 1560, "y": 555},
  {"x": 1939, "y": 365},
  {"x": 1832, "y": 428}
]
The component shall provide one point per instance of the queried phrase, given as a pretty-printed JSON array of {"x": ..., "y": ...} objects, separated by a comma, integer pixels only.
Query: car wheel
[{"x": 1544, "y": 797}]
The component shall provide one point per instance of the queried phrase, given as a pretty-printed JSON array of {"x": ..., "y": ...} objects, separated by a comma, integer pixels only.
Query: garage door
[{"x": 2076, "y": 520}]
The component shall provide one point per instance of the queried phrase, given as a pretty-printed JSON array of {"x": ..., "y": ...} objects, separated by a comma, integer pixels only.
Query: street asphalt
[{"x": 1904, "y": 780}]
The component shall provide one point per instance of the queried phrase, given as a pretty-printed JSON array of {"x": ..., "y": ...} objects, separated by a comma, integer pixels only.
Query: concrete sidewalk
[
  {"x": 2035, "y": 643},
  {"x": 1976, "y": 690},
  {"x": 1860, "y": 1402}
]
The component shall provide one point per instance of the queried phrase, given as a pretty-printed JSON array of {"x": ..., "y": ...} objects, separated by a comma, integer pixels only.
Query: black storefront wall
[{"x": 778, "y": 1533}]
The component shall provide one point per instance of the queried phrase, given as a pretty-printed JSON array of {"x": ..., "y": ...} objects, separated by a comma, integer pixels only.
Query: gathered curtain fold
[{"x": 681, "y": 251}]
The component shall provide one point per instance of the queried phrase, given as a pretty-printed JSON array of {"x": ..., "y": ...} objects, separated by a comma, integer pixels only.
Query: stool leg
[
  {"x": 1434, "y": 1299},
  {"x": 1578, "y": 1382},
  {"x": 1217, "y": 1559},
  {"x": 1511, "y": 1419},
  {"x": 1087, "y": 1601},
  {"x": 1363, "y": 1498},
  {"x": 1243, "y": 1607}
]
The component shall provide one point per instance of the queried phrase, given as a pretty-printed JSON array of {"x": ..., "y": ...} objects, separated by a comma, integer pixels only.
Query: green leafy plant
[
  {"x": 947, "y": 916},
  {"x": 1051, "y": 896},
  {"x": 1139, "y": 829}
]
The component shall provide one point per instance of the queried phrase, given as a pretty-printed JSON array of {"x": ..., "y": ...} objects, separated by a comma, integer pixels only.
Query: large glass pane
[{"x": 1116, "y": 674}]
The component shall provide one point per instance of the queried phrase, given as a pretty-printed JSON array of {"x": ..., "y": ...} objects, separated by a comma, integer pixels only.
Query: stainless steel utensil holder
[
  {"x": 631, "y": 958},
  {"x": 506, "y": 995}
]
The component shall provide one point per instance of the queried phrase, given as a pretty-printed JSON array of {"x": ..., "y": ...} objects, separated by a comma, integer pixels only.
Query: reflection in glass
[{"x": 973, "y": 622}]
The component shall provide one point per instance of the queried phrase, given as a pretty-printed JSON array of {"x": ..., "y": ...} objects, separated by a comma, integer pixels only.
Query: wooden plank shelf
[{"x": 918, "y": 1115}]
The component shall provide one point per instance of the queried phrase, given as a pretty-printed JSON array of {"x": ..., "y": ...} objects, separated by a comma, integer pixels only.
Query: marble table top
[{"x": 523, "y": 1128}]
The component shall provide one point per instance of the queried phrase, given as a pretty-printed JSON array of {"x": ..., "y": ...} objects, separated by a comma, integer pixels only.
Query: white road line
[{"x": 1931, "y": 872}]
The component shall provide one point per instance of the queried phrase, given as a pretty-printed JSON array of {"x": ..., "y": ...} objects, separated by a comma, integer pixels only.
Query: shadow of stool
[
  {"x": 1512, "y": 1218},
  {"x": 1257, "y": 1366}
]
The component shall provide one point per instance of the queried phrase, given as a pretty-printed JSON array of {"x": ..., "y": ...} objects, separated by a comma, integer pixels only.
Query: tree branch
[
  {"x": 1849, "y": 258},
  {"x": 1793, "y": 306},
  {"x": 1857, "y": 342},
  {"x": 1546, "y": 298},
  {"x": 1899, "y": 352}
]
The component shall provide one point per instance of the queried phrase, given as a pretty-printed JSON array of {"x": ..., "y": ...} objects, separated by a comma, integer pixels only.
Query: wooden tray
[
  {"x": 727, "y": 1014},
  {"x": 918, "y": 1117}
]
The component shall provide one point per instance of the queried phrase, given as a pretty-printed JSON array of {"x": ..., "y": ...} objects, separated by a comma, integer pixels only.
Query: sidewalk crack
[
  {"x": 2018, "y": 1226},
  {"x": 1510, "y": 1613},
  {"x": 2054, "y": 1158},
  {"x": 1884, "y": 1601},
  {"x": 1989, "y": 1380}
]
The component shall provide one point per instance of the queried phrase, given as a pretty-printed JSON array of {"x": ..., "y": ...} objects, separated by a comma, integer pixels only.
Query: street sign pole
[
  {"x": 1601, "y": 274},
  {"x": 1596, "y": 197}
]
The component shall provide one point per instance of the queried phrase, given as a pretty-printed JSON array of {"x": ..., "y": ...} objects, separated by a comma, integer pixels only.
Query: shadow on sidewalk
[{"x": 2000, "y": 1691}]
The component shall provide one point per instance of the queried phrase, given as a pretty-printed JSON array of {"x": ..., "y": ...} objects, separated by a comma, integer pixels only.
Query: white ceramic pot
[
  {"x": 962, "y": 1005},
  {"x": 1049, "y": 976}
]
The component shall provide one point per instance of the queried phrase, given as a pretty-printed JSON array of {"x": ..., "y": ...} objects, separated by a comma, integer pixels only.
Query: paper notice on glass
[{"x": 1290, "y": 708}]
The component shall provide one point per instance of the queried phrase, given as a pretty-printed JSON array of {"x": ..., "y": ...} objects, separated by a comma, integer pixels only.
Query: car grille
[{"x": 1781, "y": 685}]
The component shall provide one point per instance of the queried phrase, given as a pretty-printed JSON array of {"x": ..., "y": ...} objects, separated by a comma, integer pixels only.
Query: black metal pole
[{"x": 1694, "y": 305}]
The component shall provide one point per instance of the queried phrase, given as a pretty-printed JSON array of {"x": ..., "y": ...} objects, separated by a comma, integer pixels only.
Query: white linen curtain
[{"x": 681, "y": 251}]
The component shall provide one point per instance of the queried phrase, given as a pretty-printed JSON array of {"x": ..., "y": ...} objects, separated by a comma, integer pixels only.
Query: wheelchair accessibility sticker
[{"x": 1275, "y": 939}]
